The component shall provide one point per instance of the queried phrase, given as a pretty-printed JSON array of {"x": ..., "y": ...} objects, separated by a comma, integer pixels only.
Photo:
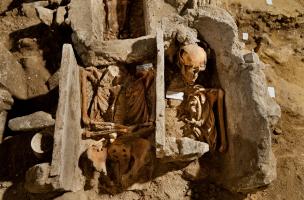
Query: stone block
[
  {"x": 6, "y": 100},
  {"x": 4, "y": 5},
  {"x": 29, "y": 10},
  {"x": 60, "y": 13},
  {"x": 3, "y": 116},
  {"x": 183, "y": 149},
  {"x": 12, "y": 75},
  {"x": 37, "y": 179},
  {"x": 116, "y": 51},
  {"x": 34, "y": 121},
  {"x": 45, "y": 15},
  {"x": 193, "y": 172},
  {"x": 53, "y": 81},
  {"x": 67, "y": 136},
  {"x": 87, "y": 25},
  {"x": 251, "y": 57},
  {"x": 249, "y": 162}
]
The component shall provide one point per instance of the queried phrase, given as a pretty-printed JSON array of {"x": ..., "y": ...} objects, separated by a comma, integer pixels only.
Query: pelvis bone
[
  {"x": 97, "y": 154},
  {"x": 199, "y": 116},
  {"x": 116, "y": 14},
  {"x": 191, "y": 59},
  {"x": 138, "y": 111},
  {"x": 129, "y": 155}
]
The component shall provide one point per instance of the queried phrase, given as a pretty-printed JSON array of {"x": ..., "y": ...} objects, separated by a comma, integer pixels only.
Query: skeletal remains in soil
[
  {"x": 199, "y": 116},
  {"x": 115, "y": 102},
  {"x": 199, "y": 102},
  {"x": 114, "y": 107},
  {"x": 192, "y": 59},
  {"x": 124, "y": 151},
  {"x": 116, "y": 110},
  {"x": 116, "y": 14}
]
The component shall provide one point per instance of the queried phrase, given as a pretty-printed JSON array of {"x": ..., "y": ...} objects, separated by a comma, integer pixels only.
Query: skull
[{"x": 191, "y": 59}]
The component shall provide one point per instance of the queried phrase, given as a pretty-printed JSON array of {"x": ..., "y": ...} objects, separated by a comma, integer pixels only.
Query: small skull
[{"x": 192, "y": 59}]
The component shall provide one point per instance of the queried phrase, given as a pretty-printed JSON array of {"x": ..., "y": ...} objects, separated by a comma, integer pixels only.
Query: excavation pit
[{"x": 244, "y": 85}]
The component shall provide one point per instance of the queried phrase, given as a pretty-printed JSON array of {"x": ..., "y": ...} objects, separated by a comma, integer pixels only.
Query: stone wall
[{"x": 250, "y": 112}]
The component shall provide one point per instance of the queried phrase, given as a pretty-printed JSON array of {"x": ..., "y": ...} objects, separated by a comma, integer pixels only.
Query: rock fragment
[
  {"x": 4, "y": 5},
  {"x": 34, "y": 121},
  {"x": 37, "y": 179},
  {"x": 28, "y": 9},
  {"x": 55, "y": 2},
  {"x": 45, "y": 15},
  {"x": 251, "y": 57},
  {"x": 87, "y": 24},
  {"x": 60, "y": 13},
  {"x": 183, "y": 149},
  {"x": 53, "y": 81},
  {"x": 12, "y": 75},
  {"x": 193, "y": 171},
  {"x": 6, "y": 100},
  {"x": 3, "y": 116}
]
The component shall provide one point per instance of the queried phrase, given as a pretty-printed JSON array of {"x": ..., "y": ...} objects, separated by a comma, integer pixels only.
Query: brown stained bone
[
  {"x": 200, "y": 119},
  {"x": 116, "y": 14},
  {"x": 97, "y": 154},
  {"x": 122, "y": 13},
  {"x": 111, "y": 20},
  {"x": 191, "y": 59},
  {"x": 121, "y": 152},
  {"x": 99, "y": 109},
  {"x": 138, "y": 112},
  {"x": 99, "y": 104}
]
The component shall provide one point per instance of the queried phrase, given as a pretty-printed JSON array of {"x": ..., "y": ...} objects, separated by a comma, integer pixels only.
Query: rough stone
[
  {"x": 122, "y": 51},
  {"x": 249, "y": 162},
  {"x": 34, "y": 121},
  {"x": 6, "y": 100},
  {"x": 87, "y": 25},
  {"x": 11, "y": 74},
  {"x": 183, "y": 149},
  {"x": 45, "y": 15},
  {"x": 60, "y": 13},
  {"x": 193, "y": 171},
  {"x": 251, "y": 58},
  {"x": 181, "y": 4},
  {"x": 55, "y": 2},
  {"x": 36, "y": 75},
  {"x": 29, "y": 10},
  {"x": 53, "y": 81},
  {"x": 3, "y": 116},
  {"x": 88, "y": 41},
  {"x": 4, "y": 5},
  {"x": 67, "y": 136},
  {"x": 37, "y": 179}
]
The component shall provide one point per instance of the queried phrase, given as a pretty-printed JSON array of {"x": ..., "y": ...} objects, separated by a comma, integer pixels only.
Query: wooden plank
[
  {"x": 160, "y": 129},
  {"x": 67, "y": 135}
]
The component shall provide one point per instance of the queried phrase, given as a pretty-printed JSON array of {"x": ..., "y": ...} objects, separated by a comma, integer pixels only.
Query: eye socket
[{"x": 196, "y": 71}]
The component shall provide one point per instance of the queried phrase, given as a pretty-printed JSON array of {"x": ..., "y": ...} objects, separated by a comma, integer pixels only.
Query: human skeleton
[
  {"x": 199, "y": 116},
  {"x": 115, "y": 107}
]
